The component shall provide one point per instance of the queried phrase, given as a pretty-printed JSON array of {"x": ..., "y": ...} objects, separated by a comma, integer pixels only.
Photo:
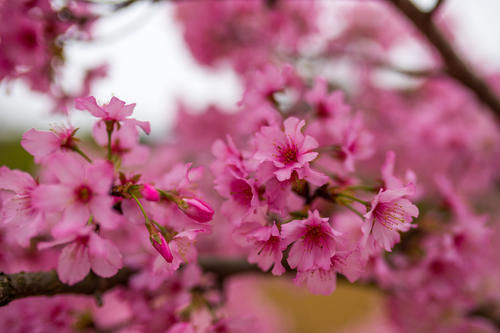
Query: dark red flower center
[
  {"x": 287, "y": 154},
  {"x": 83, "y": 193}
]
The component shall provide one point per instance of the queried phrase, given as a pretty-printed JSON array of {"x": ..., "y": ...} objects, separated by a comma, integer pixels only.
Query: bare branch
[
  {"x": 20, "y": 285},
  {"x": 455, "y": 66}
]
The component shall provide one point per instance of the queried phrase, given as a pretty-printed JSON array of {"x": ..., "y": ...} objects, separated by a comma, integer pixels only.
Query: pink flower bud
[
  {"x": 197, "y": 210},
  {"x": 161, "y": 245},
  {"x": 150, "y": 193}
]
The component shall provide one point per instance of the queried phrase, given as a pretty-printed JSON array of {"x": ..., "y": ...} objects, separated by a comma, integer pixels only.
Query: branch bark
[
  {"x": 455, "y": 66},
  {"x": 21, "y": 285}
]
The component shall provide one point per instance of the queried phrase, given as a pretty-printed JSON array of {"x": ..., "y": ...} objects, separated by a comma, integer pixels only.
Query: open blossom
[
  {"x": 323, "y": 281},
  {"x": 232, "y": 181},
  {"x": 325, "y": 104},
  {"x": 84, "y": 251},
  {"x": 289, "y": 151},
  {"x": 114, "y": 111},
  {"x": 43, "y": 143},
  {"x": 314, "y": 242},
  {"x": 390, "y": 212},
  {"x": 124, "y": 143},
  {"x": 265, "y": 243},
  {"x": 17, "y": 210},
  {"x": 81, "y": 191}
]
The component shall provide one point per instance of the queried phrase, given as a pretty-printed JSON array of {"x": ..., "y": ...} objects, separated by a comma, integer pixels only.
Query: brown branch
[
  {"x": 455, "y": 66},
  {"x": 20, "y": 285}
]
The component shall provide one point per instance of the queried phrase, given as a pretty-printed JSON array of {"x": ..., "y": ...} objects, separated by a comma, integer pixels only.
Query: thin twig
[{"x": 455, "y": 66}]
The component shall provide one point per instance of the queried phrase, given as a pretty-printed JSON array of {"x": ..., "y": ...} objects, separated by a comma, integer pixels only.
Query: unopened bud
[
  {"x": 150, "y": 193},
  {"x": 161, "y": 245},
  {"x": 197, "y": 210}
]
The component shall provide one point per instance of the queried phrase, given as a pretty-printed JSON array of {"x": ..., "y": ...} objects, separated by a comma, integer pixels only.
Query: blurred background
[{"x": 150, "y": 65}]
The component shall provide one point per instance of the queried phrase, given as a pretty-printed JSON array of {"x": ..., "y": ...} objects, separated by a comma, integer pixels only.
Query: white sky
[{"x": 150, "y": 65}]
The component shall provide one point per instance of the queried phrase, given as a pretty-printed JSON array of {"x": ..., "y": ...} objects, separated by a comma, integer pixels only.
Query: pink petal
[
  {"x": 105, "y": 258},
  {"x": 73, "y": 221},
  {"x": 74, "y": 263},
  {"x": 15, "y": 180},
  {"x": 52, "y": 197},
  {"x": 116, "y": 109},
  {"x": 101, "y": 207},
  {"x": 90, "y": 104},
  {"x": 385, "y": 238},
  {"x": 40, "y": 143},
  {"x": 321, "y": 282},
  {"x": 299, "y": 257},
  {"x": 100, "y": 176},
  {"x": 144, "y": 125},
  {"x": 292, "y": 231},
  {"x": 309, "y": 144},
  {"x": 68, "y": 168}
]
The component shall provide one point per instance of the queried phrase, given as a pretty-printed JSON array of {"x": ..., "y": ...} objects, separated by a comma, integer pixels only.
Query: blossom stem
[
  {"x": 350, "y": 197},
  {"x": 354, "y": 210},
  {"x": 109, "y": 144},
  {"x": 363, "y": 188},
  {"x": 328, "y": 148},
  {"x": 79, "y": 151},
  {"x": 149, "y": 226}
]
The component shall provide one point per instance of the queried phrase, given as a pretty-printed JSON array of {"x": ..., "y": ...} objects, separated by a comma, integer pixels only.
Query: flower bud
[
  {"x": 161, "y": 245},
  {"x": 197, "y": 209},
  {"x": 150, "y": 193}
]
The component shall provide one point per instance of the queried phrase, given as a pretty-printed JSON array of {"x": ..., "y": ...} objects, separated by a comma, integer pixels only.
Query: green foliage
[{"x": 14, "y": 156}]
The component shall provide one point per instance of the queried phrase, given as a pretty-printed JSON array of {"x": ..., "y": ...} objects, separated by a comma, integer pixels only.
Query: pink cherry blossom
[
  {"x": 288, "y": 151},
  {"x": 265, "y": 243},
  {"x": 314, "y": 242},
  {"x": 81, "y": 191},
  {"x": 85, "y": 250},
  {"x": 114, "y": 111},
  {"x": 323, "y": 281},
  {"x": 325, "y": 104},
  {"x": 390, "y": 212},
  {"x": 18, "y": 212},
  {"x": 43, "y": 143}
]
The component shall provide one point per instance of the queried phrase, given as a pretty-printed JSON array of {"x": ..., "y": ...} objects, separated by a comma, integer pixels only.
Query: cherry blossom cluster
[
  {"x": 32, "y": 40},
  {"x": 246, "y": 34},
  {"x": 280, "y": 199},
  {"x": 79, "y": 199},
  {"x": 299, "y": 178}
]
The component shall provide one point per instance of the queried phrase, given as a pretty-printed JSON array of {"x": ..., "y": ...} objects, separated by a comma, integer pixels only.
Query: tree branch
[
  {"x": 455, "y": 66},
  {"x": 21, "y": 285}
]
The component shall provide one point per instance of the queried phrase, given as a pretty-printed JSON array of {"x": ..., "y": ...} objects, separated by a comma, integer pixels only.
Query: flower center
[
  {"x": 28, "y": 38},
  {"x": 287, "y": 154},
  {"x": 390, "y": 216},
  {"x": 83, "y": 194},
  {"x": 314, "y": 233}
]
